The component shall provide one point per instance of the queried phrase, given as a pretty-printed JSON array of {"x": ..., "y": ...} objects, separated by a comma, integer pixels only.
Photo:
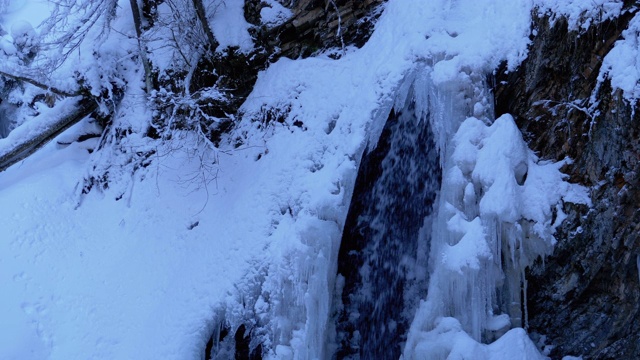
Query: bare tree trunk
[
  {"x": 135, "y": 9},
  {"x": 202, "y": 16},
  {"x": 40, "y": 136}
]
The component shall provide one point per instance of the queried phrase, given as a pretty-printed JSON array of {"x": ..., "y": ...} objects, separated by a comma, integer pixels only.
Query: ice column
[{"x": 495, "y": 212}]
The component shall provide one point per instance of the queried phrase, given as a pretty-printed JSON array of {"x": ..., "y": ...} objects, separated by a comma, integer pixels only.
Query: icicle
[
  {"x": 524, "y": 300},
  {"x": 491, "y": 223},
  {"x": 638, "y": 264}
]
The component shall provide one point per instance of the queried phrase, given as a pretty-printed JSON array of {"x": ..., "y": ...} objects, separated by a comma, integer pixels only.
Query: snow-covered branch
[{"x": 39, "y": 84}]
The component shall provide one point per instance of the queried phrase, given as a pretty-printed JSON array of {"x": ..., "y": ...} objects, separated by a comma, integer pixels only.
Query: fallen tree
[{"x": 30, "y": 137}]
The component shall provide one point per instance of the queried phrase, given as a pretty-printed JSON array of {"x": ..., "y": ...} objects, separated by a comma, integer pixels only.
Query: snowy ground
[
  {"x": 134, "y": 278},
  {"x": 142, "y": 277},
  {"x": 120, "y": 279}
]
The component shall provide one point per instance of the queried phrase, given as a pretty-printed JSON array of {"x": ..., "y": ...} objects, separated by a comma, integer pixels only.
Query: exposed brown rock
[
  {"x": 322, "y": 24},
  {"x": 585, "y": 297}
]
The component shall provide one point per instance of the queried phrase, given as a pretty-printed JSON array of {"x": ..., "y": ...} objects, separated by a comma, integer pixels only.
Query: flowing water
[{"x": 382, "y": 260}]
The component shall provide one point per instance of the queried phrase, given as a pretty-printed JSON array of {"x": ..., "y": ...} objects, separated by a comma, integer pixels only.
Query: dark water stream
[{"x": 385, "y": 244}]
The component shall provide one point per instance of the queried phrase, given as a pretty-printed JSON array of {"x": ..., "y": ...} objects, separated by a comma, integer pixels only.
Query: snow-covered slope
[{"x": 139, "y": 277}]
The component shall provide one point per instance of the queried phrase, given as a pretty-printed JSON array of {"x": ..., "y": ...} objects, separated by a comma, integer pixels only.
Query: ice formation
[{"x": 496, "y": 215}]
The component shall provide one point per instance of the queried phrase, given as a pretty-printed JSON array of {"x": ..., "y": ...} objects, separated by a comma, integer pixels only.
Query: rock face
[
  {"x": 322, "y": 24},
  {"x": 585, "y": 298}
]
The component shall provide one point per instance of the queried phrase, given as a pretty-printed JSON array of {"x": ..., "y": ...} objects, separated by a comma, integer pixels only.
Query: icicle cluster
[{"x": 498, "y": 209}]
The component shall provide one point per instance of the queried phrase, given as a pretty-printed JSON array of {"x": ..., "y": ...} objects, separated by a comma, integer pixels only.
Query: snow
[
  {"x": 121, "y": 279},
  {"x": 144, "y": 268},
  {"x": 228, "y": 24},
  {"x": 6, "y": 45},
  {"x": 21, "y": 29},
  {"x": 468, "y": 252},
  {"x": 88, "y": 276},
  {"x": 448, "y": 341},
  {"x": 622, "y": 64},
  {"x": 580, "y": 14},
  {"x": 19, "y": 11},
  {"x": 500, "y": 152},
  {"x": 170, "y": 48},
  {"x": 274, "y": 13},
  {"x": 17, "y": 20}
]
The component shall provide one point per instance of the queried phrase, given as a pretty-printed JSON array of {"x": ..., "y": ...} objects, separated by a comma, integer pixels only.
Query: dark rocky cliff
[{"x": 585, "y": 298}]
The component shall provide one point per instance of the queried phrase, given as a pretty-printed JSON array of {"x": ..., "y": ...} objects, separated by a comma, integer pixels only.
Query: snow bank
[
  {"x": 622, "y": 64},
  {"x": 136, "y": 277}
]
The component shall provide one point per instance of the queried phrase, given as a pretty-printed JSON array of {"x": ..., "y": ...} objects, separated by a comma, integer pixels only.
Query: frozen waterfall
[{"x": 450, "y": 207}]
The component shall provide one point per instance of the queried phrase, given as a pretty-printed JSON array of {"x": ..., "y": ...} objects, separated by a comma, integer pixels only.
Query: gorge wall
[{"x": 585, "y": 297}]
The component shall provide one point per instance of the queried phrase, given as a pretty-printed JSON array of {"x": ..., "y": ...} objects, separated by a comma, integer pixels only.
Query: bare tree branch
[
  {"x": 40, "y": 85},
  {"x": 71, "y": 21}
]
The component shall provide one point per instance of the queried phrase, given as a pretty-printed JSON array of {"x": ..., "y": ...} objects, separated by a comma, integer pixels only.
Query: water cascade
[
  {"x": 382, "y": 259},
  {"x": 450, "y": 207}
]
